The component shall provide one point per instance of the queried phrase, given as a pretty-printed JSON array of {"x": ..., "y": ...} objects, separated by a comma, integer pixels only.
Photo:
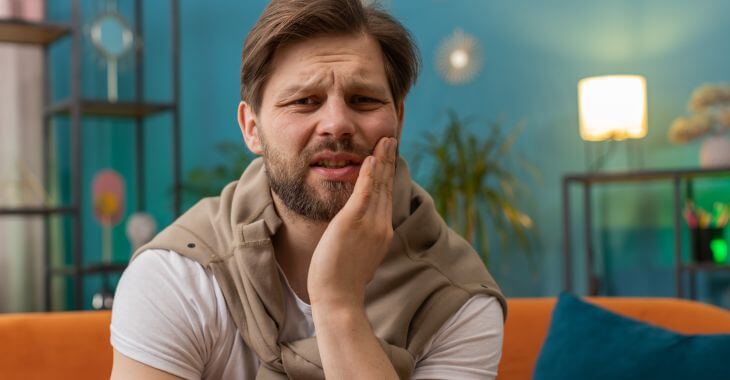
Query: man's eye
[
  {"x": 304, "y": 101},
  {"x": 364, "y": 99}
]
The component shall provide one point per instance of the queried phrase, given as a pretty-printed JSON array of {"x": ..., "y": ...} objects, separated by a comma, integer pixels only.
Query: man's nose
[{"x": 337, "y": 119}]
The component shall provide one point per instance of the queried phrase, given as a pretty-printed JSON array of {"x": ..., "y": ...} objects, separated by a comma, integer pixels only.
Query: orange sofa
[{"x": 75, "y": 345}]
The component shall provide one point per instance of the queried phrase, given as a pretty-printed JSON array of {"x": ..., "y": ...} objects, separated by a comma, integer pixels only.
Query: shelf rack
[
  {"x": 587, "y": 180},
  {"x": 76, "y": 107}
]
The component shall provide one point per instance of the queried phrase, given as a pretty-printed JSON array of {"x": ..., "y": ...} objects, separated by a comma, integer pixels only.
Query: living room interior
[{"x": 581, "y": 147}]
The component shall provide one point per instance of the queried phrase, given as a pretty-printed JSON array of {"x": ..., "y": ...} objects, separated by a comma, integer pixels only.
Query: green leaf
[{"x": 470, "y": 182}]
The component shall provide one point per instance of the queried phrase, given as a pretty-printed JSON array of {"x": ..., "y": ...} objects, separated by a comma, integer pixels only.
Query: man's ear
[
  {"x": 401, "y": 111},
  {"x": 247, "y": 122}
]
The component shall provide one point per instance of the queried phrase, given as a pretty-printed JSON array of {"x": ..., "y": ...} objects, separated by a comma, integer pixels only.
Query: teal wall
[{"x": 534, "y": 52}]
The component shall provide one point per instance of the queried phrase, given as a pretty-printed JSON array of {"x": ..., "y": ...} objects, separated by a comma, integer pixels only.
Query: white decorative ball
[{"x": 141, "y": 228}]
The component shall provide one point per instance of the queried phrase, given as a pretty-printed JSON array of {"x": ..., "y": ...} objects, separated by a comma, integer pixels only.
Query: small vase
[{"x": 715, "y": 152}]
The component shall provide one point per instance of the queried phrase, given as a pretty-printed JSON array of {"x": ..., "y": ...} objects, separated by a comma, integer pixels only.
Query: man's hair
[{"x": 289, "y": 21}]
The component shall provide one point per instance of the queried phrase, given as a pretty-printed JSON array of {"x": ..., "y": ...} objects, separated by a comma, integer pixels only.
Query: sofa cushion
[{"x": 586, "y": 341}]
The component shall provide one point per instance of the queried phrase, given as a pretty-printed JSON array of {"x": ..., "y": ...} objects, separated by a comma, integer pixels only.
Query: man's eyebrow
[{"x": 352, "y": 86}]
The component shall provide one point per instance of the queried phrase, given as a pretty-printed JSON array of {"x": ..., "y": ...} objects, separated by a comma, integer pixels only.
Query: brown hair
[{"x": 289, "y": 21}]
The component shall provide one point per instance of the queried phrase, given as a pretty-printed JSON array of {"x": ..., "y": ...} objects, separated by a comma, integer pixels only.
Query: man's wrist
[
  {"x": 337, "y": 299},
  {"x": 340, "y": 313},
  {"x": 337, "y": 304}
]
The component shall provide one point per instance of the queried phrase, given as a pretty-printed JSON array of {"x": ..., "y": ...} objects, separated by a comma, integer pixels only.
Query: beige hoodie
[{"x": 428, "y": 273}]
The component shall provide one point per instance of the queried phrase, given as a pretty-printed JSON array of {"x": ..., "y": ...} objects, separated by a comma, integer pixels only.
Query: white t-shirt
[{"x": 170, "y": 314}]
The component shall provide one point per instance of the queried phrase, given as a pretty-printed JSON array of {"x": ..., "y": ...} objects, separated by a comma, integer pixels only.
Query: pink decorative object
[{"x": 108, "y": 193}]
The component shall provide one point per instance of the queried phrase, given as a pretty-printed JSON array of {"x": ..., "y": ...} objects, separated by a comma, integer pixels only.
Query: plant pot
[
  {"x": 715, "y": 152},
  {"x": 704, "y": 245}
]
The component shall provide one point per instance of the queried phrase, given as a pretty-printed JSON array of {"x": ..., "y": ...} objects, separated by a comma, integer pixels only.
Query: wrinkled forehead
[{"x": 353, "y": 61}]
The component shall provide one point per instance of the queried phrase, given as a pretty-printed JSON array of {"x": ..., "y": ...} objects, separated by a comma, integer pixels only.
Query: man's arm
[
  {"x": 163, "y": 315},
  {"x": 351, "y": 249},
  {"x": 126, "y": 368},
  {"x": 468, "y": 346}
]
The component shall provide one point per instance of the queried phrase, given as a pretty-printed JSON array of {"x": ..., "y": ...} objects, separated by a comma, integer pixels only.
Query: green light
[{"x": 719, "y": 250}]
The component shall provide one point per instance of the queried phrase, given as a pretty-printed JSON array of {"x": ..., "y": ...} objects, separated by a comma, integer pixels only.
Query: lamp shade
[{"x": 612, "y": 107}]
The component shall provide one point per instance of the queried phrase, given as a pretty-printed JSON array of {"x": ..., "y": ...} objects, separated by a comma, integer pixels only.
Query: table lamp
[{"x": 612, "y": 108}]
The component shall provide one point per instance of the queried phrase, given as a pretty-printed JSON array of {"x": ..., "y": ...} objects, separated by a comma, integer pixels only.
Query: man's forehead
[{"x": 358, "y": 79}]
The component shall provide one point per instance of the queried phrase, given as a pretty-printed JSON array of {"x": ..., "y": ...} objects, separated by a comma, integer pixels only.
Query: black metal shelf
[
  {"x": 37, "y": 210},
  {"x": 647, "y": 175},
  {"x": 676, "y": 177},
  {"x": 76, "y": 108},
  {"x": 34, "y": 33},
  {"x": 705, "y": 267},
  {"x": 90, "y": 107}
]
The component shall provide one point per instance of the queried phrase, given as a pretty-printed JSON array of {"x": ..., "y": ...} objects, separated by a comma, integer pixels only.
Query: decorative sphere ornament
[
  {"x": 459, "y": 58},
  {"x": 141, "y": 228},
  {"x": 102, "y": 301}
]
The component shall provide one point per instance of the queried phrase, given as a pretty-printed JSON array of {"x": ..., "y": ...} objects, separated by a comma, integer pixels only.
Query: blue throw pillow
[{"x": 588, "y": 342}]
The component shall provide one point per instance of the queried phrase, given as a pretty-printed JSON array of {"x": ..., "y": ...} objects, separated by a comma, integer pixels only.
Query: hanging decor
[
  {"x": 459, "y": 58},
  {"x": 113, "y": 38},
  {"x": 141, "y": 228},
  {"x": 108, "y": 197}
]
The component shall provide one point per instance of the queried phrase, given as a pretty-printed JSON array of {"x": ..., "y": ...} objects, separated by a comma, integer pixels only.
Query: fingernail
[
  {"x": 394, "y": 146},
  {"x": 373, "y": 162}
]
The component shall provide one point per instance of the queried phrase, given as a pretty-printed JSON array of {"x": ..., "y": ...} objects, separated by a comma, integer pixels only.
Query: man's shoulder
[
  {"x": 162, "y": 274},
  {"x": 164, "y": 261},
  {"x": 169, "y": 314}
]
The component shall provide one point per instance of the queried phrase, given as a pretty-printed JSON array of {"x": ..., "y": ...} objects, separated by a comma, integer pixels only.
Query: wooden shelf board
[
  {"x": 104, "y": 108},
  {"x": 27, "y": 32}
]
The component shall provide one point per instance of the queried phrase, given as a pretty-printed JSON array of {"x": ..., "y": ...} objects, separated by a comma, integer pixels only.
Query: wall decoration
[
  {"x": 141, "y": 228},
  {"x": 112, "y": 38},
  {"x": 459, "y": 58},
  {"x": 108, "y": 197},
  {"x": 710, "y": 107}
]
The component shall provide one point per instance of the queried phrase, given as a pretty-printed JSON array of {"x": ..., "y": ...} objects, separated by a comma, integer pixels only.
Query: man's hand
[
  {"x": 357, "y": 239},
  {"x": 350, "y": 250}
]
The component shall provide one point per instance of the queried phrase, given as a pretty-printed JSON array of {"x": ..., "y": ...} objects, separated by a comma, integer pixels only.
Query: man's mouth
[{"x": 336, "y": 166}]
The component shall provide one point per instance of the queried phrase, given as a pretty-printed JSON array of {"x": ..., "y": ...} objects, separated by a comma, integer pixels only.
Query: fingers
[
  {"x": 363, "y": 192},
  {"x": 373, "y": 190},
  {"x": 385, "y": 196}
]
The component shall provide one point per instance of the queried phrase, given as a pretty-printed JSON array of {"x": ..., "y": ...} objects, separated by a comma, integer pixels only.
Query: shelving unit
[
  {"x": 677, "y": 177},
  {"x": 76, "y": 107}
]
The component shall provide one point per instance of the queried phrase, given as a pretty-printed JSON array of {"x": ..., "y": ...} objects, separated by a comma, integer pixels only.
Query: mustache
[{"x": 345, "y": 145}]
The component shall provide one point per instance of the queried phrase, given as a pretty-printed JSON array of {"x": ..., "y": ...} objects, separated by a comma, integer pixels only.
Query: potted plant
[
  {"x": 472, "y": 185},
  {"x": 207, "y": 182},
  {"x": 710, "y": 108}
]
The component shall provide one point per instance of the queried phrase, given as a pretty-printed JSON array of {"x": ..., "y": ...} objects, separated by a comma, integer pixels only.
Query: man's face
[{"x": 326, "y": 104}]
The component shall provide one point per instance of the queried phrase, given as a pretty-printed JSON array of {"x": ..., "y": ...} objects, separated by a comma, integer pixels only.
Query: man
[{"x": 324, "y": 259}]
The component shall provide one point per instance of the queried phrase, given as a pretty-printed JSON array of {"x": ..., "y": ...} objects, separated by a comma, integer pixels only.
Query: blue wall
[{"x": 535, "y": 53}]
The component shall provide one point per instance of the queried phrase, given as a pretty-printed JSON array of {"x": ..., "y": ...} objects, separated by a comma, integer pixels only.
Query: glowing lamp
[{"x": 612, "y": 107}]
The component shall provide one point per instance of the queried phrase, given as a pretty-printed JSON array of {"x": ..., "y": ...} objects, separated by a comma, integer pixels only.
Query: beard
[{"x": 288, "y": 179}]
